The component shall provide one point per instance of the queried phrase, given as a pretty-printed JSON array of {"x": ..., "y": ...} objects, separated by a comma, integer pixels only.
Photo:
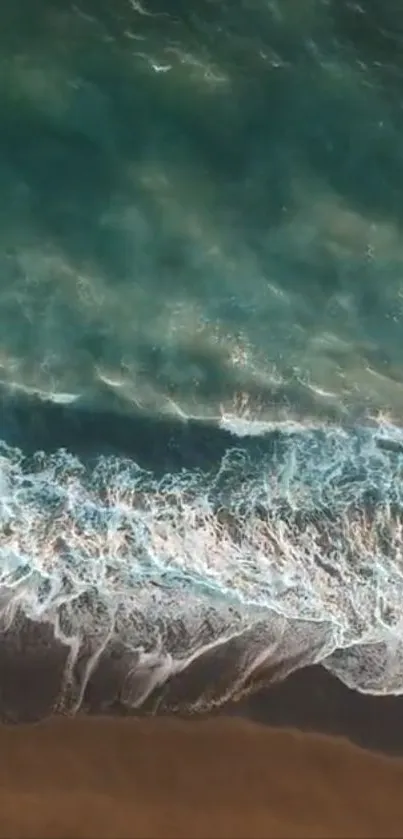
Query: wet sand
[
  {"x": 314, "y": 700},
  {"x": 255, "y": 770},
  {"x": 172, "y": 778}
]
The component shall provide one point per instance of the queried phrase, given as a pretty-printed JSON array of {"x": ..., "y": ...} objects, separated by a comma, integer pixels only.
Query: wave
[{"x": 181, "y": 572}]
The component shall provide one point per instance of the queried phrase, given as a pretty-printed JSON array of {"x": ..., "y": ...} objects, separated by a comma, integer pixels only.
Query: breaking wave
[{"x": 279, "y": 555}]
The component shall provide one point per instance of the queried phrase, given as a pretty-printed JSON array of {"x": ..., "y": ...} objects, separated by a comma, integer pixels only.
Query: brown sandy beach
[{"x": 170, "y": 778}]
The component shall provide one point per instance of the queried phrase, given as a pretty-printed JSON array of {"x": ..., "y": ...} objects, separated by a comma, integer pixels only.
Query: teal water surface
[{"x": 201, "y": 205}]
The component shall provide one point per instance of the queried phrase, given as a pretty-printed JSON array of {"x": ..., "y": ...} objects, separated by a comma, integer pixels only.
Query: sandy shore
[{"x": 169, "y": 778}]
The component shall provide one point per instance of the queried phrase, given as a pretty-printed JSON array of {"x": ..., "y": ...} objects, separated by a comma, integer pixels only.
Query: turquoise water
[
  {"x": 201, "y": 206},
  {"x": 201, "y": 257}
]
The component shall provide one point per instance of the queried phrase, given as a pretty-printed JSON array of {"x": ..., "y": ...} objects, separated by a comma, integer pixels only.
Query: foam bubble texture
[{"x": 302, "y": 548}]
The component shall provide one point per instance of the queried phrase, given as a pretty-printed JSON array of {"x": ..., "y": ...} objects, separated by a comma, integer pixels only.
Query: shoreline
[{"x": 33, "y": 668}]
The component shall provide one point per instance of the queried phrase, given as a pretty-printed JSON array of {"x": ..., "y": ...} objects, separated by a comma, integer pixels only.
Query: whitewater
[{"x": 281, "y": 551}]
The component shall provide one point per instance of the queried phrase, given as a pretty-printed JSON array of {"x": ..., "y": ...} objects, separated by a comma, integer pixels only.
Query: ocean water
[{"x": 201, "y": 354}]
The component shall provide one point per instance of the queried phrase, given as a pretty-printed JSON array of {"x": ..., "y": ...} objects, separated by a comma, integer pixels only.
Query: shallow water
[{"x": 200, "y": 325}]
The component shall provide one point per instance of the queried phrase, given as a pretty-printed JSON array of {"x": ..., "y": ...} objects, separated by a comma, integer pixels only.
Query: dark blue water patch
[{"x": 157, "y": 444}]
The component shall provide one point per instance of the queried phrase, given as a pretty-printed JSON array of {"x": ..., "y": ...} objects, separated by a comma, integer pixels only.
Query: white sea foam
[{"x": 296, "y": 553}]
